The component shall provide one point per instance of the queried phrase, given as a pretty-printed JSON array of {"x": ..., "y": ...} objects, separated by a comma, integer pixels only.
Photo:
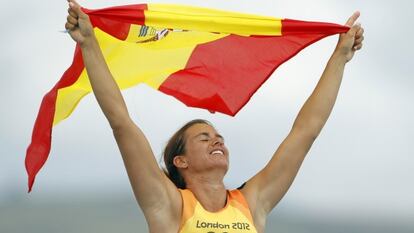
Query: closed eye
[{"x": 206, "y": 137}]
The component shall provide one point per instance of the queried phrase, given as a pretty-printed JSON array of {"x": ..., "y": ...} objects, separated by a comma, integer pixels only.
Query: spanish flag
[{"x": 210, "y": 59}]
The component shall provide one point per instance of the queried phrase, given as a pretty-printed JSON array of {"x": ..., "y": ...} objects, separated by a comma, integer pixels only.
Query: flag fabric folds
[{"x": 210, "y": 59}]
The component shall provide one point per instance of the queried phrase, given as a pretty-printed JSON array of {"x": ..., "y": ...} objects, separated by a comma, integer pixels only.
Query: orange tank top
[{"x": 235, "y": 217}]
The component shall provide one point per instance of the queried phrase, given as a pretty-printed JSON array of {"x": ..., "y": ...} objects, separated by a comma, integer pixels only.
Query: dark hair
[{"x": 174, "y": 147}]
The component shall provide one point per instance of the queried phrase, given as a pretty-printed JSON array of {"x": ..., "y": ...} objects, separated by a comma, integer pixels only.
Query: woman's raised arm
[
  {"x": 266, "y": 188},
  {"x": 155, "y": 193}
]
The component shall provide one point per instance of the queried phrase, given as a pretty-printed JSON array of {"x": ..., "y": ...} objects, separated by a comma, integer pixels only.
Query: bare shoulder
[{"x": 250, "y": 193}]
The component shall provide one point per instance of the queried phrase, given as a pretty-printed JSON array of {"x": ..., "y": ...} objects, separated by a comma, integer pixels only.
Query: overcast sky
[{"x": 362, "y": 162}]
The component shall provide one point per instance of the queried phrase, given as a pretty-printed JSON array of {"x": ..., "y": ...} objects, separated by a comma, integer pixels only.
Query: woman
[{"x": 192, "y": 197}]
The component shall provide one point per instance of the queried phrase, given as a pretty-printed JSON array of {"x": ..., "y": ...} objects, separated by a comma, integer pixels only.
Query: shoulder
[
  {"x": 237, "y": 195},
  {"x": 249, "y": 196}
]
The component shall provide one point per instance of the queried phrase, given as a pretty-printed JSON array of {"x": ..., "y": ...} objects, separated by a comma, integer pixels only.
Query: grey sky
[{"x": 361, "y": 163}]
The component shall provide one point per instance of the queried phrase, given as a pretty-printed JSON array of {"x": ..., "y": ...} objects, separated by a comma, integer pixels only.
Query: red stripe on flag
[
  {"x": 113, "y": 20},
  {"x": 39, "y": 148},
  {"x": 291, "y": 26},
  {"x": 223, "y": 75},
  {"x": 117, "y": 20}
]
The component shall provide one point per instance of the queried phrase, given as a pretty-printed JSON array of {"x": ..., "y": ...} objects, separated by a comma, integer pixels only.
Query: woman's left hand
[{"x": 350, "y": 41}]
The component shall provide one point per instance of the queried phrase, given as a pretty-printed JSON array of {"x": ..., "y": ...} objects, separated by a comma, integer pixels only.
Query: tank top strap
[
  {"x": 238, "y": 201},
  {"x": 189, "y": 204}
]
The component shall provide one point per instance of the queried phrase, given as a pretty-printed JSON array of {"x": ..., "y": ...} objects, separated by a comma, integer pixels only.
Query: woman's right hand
[{"x": 78, "y": 24}]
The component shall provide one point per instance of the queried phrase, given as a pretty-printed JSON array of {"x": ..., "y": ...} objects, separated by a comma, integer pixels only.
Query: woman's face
[{"x": 205, "y": 149}]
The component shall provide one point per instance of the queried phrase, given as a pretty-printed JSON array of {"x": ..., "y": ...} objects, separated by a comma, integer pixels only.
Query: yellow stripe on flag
[
  {"x": 205, "y": 19},
  {"x": 132, "y": 63}
]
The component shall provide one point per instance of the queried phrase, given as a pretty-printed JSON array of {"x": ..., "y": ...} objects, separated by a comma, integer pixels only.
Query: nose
[{"x": 218, "y": 141}]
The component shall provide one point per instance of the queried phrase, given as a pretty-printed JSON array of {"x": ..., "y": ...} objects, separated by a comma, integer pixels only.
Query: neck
[{"x": 211, "y": 193}]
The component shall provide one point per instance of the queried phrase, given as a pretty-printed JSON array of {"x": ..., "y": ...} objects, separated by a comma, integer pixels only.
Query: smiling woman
[
  {"x": 204, "y": 152},
  {"x": 175, "y": 147},
  {"x": 191, "y": 195}
]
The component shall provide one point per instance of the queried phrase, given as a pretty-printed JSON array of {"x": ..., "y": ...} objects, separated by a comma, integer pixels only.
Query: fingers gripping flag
[{"x": 205, "y": 58}]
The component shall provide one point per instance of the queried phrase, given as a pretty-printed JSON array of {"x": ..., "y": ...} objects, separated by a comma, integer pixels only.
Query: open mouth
[{"x": 217, "y": 152}]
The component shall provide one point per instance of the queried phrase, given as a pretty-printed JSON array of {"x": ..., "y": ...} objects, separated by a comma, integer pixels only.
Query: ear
[{"x": 180, "y": 161}]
